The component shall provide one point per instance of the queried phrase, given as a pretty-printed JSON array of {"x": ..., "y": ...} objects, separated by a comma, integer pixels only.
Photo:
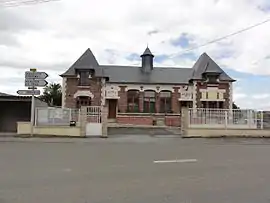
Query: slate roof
[
  {"x": 147, "y": 52},
  {"x": 160, "y": 75},
  {"x": 206, "y": 65},
  {"x": 86, "y": 61}
]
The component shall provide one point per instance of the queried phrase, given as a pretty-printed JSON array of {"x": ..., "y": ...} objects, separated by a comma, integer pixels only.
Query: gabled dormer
[
  {"x": 84, "y": 68},
  {"x": 207, "y": 70}
]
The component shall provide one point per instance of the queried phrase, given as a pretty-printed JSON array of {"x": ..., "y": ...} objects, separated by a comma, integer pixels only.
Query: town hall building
[{"x": 146, "y": 89}]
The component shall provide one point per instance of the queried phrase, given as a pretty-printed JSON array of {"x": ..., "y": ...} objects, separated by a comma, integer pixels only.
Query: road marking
[{"x": 175, "y": 161}]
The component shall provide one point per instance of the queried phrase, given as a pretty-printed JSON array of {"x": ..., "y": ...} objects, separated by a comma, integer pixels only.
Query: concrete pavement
[{"x": 123, "y": 170}]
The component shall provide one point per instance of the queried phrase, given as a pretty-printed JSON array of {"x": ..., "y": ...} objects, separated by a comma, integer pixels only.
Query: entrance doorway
[{"x": 112, "y": 108}]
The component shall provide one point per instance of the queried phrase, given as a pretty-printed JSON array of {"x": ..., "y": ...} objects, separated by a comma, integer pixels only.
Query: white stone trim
[
  {"x": 213, "y": 100},
  {"x": 213, "y": 89},
  {"x": 142, "y": 88},
  {"x": 64, "y": 88},
  {"x": 111, "y": 91},
  {"x": 84, "y": 93},
  {"x": 103, "y": 91},
  {"x": 230, "y": 95},
  {"x": 194, "y": 95}
]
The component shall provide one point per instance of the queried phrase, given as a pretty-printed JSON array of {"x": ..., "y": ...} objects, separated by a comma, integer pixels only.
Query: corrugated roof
[{"x": 4, "y": 94}]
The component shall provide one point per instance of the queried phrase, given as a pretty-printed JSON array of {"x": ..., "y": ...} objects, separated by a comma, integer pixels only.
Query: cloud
[
  {"x": 260, "y": 96},
  {"x": 183, "y": 41},
  {"x": 52, "y": 36}
]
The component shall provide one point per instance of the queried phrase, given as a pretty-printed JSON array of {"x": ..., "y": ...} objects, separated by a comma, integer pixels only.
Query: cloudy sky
[{"x": 51, "y": 36}]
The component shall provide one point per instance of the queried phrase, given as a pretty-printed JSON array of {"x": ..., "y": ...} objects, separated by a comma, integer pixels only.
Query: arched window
[
  {"x": 165, "y": 102},
  {"x": 133, "y": 101},
  {"x": 83, "y": 101},
  {"x": 149, "y": 101}
]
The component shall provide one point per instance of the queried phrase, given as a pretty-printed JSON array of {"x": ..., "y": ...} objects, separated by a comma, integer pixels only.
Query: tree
[
  {"x": 52, "y": 94},
  {"x": 235, "y": 106}
]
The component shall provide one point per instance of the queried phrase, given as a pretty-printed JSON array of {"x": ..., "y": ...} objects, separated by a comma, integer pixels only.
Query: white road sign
[
  {"x": 35, "y": 83},
  {"x": 28, "y": 92},
  {"x": 35, "y": 75}
]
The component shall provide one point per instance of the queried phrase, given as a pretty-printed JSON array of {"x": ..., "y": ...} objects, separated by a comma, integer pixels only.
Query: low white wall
[
  {"x": 24, "y": 128},
  {"x": 202, "y": 132}
]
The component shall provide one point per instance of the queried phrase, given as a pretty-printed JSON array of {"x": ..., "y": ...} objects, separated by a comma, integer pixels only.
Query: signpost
[
  {"x": 28, "y": 92},
  {"x": 35, "y": 83},
  {"x": 35, "y": 75},
  {"x": 33, "y": 79}
]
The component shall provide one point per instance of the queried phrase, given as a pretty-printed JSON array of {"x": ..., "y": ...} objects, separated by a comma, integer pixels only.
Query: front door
[{"x": 112, "y": 108}]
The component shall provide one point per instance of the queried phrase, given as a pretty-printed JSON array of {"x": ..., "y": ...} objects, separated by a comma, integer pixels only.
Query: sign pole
[
  {"x": 32, "y": 114},
  {"x": 33, "y": 79},
  {"x": 32, "y": 107}
]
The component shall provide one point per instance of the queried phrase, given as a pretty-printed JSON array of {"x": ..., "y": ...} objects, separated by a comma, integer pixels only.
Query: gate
[{"x": 94, "y": 124}]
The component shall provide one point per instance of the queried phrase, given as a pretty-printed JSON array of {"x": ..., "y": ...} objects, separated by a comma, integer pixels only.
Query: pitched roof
[
  {"x": 147, "y": 52},
  {"x": 206, "y": 65},
  {"x": 134, "y": 74},
  {"x": 86, "y": 61}
]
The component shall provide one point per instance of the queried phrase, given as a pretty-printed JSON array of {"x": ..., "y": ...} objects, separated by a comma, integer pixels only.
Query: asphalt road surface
[{"x": 134, "y": 170}]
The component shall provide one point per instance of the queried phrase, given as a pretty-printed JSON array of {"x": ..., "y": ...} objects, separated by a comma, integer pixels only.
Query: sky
[{"x": 51, "y": 36}]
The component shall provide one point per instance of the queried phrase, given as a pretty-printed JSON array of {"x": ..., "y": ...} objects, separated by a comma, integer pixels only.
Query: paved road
[{"x": 122, "y": 170}]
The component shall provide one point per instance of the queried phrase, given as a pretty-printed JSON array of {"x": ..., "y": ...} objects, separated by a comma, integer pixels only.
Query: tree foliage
[
  {"x": 52, "y": 94},
  {"x": 235, "y": 106}
]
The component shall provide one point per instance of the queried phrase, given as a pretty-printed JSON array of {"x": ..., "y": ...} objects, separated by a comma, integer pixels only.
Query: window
[
  {"x": 83, "y": 101},
  {"x": 133, "y": 100},
  {"x": 149, "y": 101},
  {"x": 84, "y": 78},
  {"x": 165, "y": 102}
]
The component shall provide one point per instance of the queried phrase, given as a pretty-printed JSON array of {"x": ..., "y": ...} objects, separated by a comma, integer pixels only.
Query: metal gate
[{"x": 94, "y": 124}]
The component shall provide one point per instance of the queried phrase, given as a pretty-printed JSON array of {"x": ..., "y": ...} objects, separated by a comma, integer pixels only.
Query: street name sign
[
  {"x": 35, "y": 75},
  {"x": 35, "y": 83},
  {"x": 28, "y": 92}
]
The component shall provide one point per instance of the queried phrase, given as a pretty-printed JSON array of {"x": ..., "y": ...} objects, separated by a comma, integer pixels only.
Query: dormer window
[
  {"x": 84, "y": 76},
  {"x": 211, "y": 78}
]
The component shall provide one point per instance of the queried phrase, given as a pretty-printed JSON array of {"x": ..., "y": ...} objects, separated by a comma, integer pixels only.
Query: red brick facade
[
  {"x": 72, "y": 87},
  {"x": 169, "y": 120}
]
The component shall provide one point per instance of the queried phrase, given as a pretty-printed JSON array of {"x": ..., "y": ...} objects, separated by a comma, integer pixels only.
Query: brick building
[{"x": 146, "y": 89}]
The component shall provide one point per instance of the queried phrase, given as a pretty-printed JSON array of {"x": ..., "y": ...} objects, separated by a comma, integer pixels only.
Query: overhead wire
[
  {"x": 15, "y": 3},
  {"x": 222, "y": 38}
]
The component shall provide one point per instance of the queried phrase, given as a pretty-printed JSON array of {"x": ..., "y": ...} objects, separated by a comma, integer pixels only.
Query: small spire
[{"x": 147, "y": 52}]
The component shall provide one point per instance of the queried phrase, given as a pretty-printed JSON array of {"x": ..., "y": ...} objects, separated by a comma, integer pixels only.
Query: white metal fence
[
  {"x": 263, "y": 119},
  {"x": 56, "y": 116},
  {"x": 94, "y": 114},
  {"x": 223, "y": 118}
]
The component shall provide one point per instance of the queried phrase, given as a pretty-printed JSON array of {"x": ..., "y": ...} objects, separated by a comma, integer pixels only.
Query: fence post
[
  {"x": 185, "y": 120},
  {"x": 36, "y": 116},
  {"x": 249, "y": 118},
  {"x": 83, "y": 120},
  {"x": 70, "y": 114},
  {"x": 104, "y": 121},
  {"x": 261, "y": 119},
  {"x": 226, "y": 119}
]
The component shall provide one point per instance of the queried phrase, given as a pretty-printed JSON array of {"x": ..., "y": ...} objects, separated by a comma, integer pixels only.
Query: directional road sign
[
  {"x": 28, "y": 92},
  {"x": 35, "y": 75},
  {"x": 35, "y": 83}
]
